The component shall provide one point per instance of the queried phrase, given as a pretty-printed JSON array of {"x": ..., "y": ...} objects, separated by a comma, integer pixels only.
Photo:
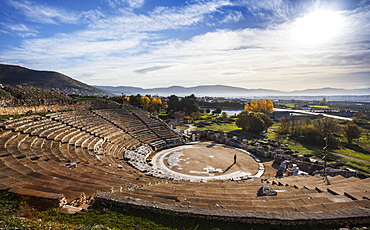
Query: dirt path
[
  {"x": 190, "y": 129},
  {"x": 350, "y": 158},
  {"x": 363, "y": 145}
]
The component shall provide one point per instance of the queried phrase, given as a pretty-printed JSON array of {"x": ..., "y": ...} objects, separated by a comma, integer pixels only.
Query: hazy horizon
[
  {"x": 283, "y": 45},
  {"x": 192, "y": 86}
]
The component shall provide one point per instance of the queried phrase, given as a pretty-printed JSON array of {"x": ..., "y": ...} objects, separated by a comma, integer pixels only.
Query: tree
[
  {"x": 351, "y": 131},
  {"x": 196, "y": 115},
  {"x": 173, "y": 104},
  {"x": 155, "y": 105},
  {"x": 323, "y": 101},
  {"x": 218, "y": 110},
  {"x": 136, "y": 101},
  {"x": 253, "y": 122},
  {"x": 145, "y": 100},
  {"x": 189, "y": 104},
  {"x": 326, "y": 127},
  {"x": 311, "y": 134},
  {"x": 284, "y": 126},
  {"x": 263, "y": 106}
]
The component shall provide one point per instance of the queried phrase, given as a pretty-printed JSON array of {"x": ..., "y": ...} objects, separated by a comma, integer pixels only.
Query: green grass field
[{"x": 226, "y": 127}]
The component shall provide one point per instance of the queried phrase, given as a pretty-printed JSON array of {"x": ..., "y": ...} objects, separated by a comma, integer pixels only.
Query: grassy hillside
[
  {"x": 30, "y": 96},
  {"x": 16, "y": 75}
]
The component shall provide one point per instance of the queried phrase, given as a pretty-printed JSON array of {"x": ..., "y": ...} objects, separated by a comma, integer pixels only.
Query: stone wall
[
  {"x": 80, "y": 105},
  {"x": 331, "y": 218}
]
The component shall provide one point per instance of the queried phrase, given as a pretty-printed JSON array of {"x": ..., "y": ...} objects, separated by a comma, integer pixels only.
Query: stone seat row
[
  {"x": 93, "y": 126},
  {"x": 355, "y": 188},
  {"x": 73, "y": 135},
  {"x": 146, "y": 119},
  {"x": 45, "y": 152},
  {"x": 142, "y": 130},
  {"x": 242, "y": 196},
  {"x": 25, "y": 170},
  {"x": 122, "y": 119},
  {"x": 156, "y": 126}
]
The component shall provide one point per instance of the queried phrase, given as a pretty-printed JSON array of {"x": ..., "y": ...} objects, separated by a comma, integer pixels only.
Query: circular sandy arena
[{"x": 207, "y": 161}]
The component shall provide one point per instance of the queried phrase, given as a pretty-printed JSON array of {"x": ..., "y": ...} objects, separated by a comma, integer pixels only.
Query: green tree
[
  {"x": 253, "y": 122},
  {"x": 351, "y": 131},
  {"x": 310, "y": 134},
  {"x": 218, "y": 110},
  {"x": 136, "y": 101},
  {"x": 173, "y": 104},
  {"x": 284, "y": 127},
  {"x": 327, "y": 127},
  {"x": 196, "y": 115},
  {"x": 189, "y": 104}
]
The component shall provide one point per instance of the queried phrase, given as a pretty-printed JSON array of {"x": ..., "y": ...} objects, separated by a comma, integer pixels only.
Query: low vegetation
[
  {"x": 15, "y": 213},
  {"x": 30, "y": 96}
]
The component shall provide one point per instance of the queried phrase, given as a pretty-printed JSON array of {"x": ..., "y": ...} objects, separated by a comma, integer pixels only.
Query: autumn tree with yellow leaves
[
  {"x": 262, "y": 106},
  {"x": 145, "y": 100},
  {"x": 156, "y": 104}
]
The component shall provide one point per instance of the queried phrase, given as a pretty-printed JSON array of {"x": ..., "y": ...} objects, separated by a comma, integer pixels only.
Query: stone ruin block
[{"x": 266, "y": 191}]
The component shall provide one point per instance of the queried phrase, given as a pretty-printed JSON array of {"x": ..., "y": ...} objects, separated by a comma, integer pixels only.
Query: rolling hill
[{"x": 17, "y": 75}]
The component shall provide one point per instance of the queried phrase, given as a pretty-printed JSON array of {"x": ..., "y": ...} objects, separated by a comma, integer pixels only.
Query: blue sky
[{"x": 273, "y": 44}]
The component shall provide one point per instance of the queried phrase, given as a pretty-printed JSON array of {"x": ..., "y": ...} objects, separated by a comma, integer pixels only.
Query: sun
[{"x": 318, "y": 27}]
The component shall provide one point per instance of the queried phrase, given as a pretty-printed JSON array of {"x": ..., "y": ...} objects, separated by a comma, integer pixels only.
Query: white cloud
[
  {"x": 161, "y": 18},
  {"x": 272, "y": 10},
  {"x": 151, "y": 69},
  {"x": 44, "y": 14},
  {"x": 129, "y": 49},
  {"x": 19, "y": 29},
  {"x": 129, "y": 3},
  {"x": 134, "y": 3},
  {"x": 233, "y": 16}
]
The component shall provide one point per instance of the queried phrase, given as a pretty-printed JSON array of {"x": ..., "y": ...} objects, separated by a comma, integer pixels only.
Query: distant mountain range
[
  {"x": 229, "y": 91},
  {"x": 17, "y": 75}
]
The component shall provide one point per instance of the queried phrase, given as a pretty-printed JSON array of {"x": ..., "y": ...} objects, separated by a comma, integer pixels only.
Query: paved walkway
[{"x": 159, "y": 158}]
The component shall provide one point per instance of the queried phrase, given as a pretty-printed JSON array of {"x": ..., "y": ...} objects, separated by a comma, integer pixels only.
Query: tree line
[
  {"x": 188, "y": 104},
  {"x": 254, "y": 118},
  {"x": 315, "y": 131}
]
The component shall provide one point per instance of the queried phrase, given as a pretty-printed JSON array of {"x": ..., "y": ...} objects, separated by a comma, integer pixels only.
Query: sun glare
[{"x": 320, "y": 26}]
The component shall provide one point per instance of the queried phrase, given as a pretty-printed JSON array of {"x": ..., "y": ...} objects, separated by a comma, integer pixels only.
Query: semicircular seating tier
[{"x": 62, "y": 155}]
